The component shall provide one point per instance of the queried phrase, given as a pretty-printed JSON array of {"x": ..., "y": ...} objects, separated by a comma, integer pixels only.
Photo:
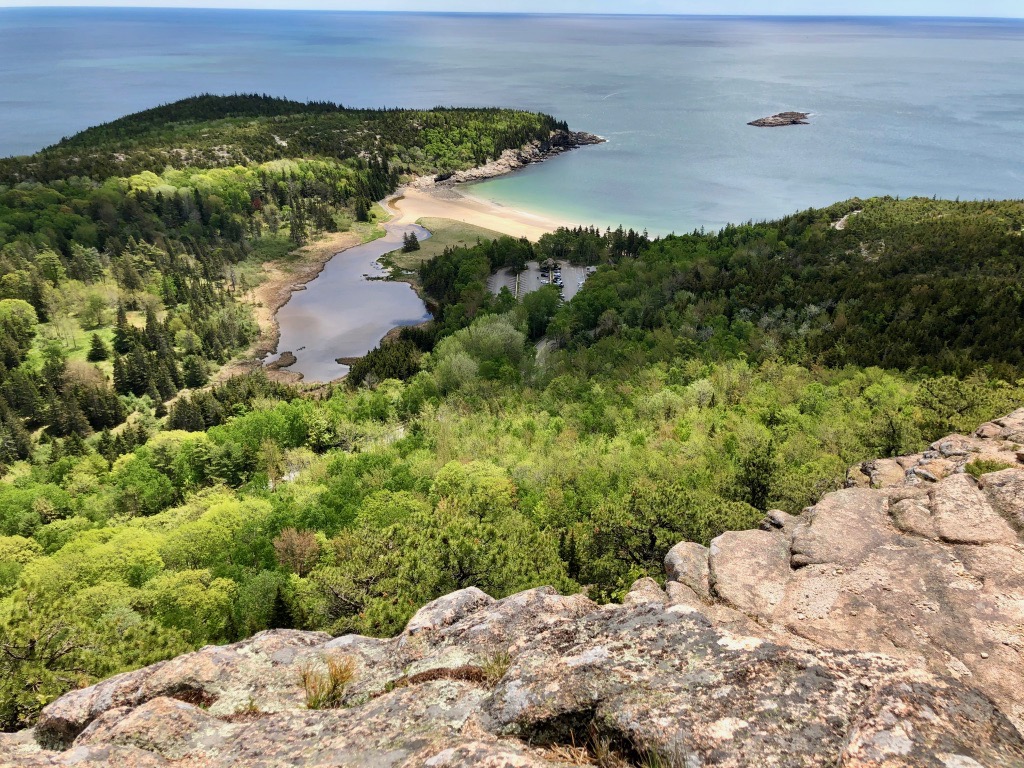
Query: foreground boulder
[
  {"x": 917, "y": 560},
  {"x": 536, "y": 679},
  {"x": 882, "y": 627}
]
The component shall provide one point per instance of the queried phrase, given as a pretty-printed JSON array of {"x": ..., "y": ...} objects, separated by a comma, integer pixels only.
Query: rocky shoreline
[
  {"x": 782, "y": 119},
  {"x": 514, "y": 159}
]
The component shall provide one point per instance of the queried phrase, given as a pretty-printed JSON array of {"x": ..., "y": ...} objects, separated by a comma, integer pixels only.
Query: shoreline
[
  {"x": 421, "y": 198},
  {"x": 414, "y": 202},
  {"x": 282, "y": 280}
]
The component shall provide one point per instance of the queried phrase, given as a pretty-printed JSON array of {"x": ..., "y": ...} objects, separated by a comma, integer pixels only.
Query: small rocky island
[{"x": 783, "y": 118}]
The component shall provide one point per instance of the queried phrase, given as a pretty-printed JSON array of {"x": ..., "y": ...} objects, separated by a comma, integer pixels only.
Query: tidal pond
[{"x": 344, "y": 313}]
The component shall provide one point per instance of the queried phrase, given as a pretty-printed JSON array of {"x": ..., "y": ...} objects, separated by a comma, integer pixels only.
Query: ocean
[{"x": 899, "y": 106}]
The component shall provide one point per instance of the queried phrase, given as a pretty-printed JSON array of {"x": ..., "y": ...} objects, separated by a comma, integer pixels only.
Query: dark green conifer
[{"x": 98, "y": 350}]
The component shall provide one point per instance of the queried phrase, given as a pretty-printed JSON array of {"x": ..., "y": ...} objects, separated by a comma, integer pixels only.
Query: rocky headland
[
  {"x": 883, "y": 626},
  {"x": 514, "y": 159},
  {"x": 782, "y": 119}
]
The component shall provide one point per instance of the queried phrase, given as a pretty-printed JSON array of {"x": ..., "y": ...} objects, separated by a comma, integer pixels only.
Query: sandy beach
[{"x": 412, "y": 203}]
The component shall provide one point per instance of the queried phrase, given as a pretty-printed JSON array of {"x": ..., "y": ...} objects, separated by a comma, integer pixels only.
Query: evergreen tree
[
  {"x": 185, "y": 415},
  {"x": 281, "y": 615},
  {"x": 194, "y": 372},
  {"x": 98, "y": 350},
  {"x": 106, "y": 446},
  {"x": 410, "y": 242},
  {"x": 122, "y": 331},
  {"x": 121, "y": 385},
  {"x": 297, "y": 226}
]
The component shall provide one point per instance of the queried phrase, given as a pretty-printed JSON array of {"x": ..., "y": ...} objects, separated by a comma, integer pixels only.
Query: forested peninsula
[{"x": 695, "y": 382}]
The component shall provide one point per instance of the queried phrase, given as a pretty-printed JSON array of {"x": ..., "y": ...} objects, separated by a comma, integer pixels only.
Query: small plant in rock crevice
[
  {"x": 326, "y": 681},
  {"x": 980, "y": 467},
  {"x": 496, "y": 666}
]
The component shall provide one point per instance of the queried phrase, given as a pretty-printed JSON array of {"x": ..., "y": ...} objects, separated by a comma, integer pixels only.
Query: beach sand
[{"x": 412, "y": 203}]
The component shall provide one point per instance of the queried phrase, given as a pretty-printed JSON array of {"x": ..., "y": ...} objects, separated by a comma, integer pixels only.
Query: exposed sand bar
[{"x": 412, "y": 203}]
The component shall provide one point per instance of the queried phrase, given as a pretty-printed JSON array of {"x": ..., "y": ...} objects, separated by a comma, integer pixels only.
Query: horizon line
[{"x": 170, "y": 7}]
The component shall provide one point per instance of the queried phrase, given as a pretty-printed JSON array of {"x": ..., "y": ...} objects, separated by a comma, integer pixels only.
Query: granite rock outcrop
[
  {"x": 514, "y": 159},
  {"x": 883, "y": 626}
]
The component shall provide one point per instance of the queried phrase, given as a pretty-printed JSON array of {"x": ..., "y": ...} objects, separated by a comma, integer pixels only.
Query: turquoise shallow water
[{"x": 900, "y": 107}]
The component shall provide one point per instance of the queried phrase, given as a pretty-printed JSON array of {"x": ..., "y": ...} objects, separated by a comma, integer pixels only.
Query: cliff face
[{"x": 882, "y": 627}]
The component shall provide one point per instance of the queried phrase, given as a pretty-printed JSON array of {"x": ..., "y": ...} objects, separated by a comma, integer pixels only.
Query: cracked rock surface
[
  {"x": 882, "y": 627},
  {"x": 927, "y": 570}
]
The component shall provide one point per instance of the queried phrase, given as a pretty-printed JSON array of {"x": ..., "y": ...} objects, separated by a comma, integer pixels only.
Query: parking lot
[{"x": 531, "y": 280}]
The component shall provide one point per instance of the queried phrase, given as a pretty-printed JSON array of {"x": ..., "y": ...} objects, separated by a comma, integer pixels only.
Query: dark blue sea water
[{"x": 900, "y": 106}]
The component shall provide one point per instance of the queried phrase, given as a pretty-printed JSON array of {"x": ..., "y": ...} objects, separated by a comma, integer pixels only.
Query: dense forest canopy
[
  {"x": 930, "y": 286},
  {"x": 222, "y": 131},
  {"x": 144, "y": 232},
  {"x": 695, "y": 382},
  {"x": 925, "y": 285}
]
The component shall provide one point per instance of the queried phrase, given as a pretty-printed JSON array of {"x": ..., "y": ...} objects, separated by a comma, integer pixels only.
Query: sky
[{"x": 966, "y": 8}]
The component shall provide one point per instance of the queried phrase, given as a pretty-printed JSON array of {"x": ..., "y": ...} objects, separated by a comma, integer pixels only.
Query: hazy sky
[{"x": 1004, "y": 8}]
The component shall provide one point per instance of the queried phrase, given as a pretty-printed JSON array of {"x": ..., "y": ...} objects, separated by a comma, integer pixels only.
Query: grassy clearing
[
  {"x": 444, "y": 233},
  {"x": 73, "y": 340},
  {"x": 372, "y": 230}
]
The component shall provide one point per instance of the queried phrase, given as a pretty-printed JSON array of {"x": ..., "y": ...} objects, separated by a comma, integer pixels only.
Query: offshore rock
[
  {"x": 882, "y": 627},
  {"x": 782, "y": 119}
]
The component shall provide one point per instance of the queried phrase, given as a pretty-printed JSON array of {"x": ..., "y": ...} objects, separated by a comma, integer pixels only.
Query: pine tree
[
  {"x": 410, "y": 242},
  {"x": 122, "y": 331},
  {"x": 74, "y": 445},
  {"x": 97, "y": 349},
  {"x": 56, "y": 451},
  {"x": 281, "y": 615},
  {"x": 194, "y": 372},
  {"x": 154, "y": 332},
  {"x": 297, "y": 226},
  {"x": 121, "y": 385},
  {"x": 185, "y": 415},
  {"x": 106, "y": 446}
]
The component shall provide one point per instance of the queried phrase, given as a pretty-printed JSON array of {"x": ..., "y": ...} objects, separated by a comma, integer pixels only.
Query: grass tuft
[
  {"x": 496, "y": 666},
  {"x": 980, "y": 467},
  {"x": 326, "y": 681}
]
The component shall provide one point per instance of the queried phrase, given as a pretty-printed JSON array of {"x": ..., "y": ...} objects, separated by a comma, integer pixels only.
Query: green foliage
[
  {"x": 223, "y": 131},
  {"x": 630, "y": 539},
  {"x": 48, "y": 646},
  {"x": 914, "y": 284},
  {"x": 398, "y": 359},
  {"x": 693, "y": 383},
  {"x": 410, "y": 242},
  {"x": 161, "y": 218},
  {"x": 98, "y": 350},
  {"x": 980, "y": 467},
  {"x": 381, "y": 500}
]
